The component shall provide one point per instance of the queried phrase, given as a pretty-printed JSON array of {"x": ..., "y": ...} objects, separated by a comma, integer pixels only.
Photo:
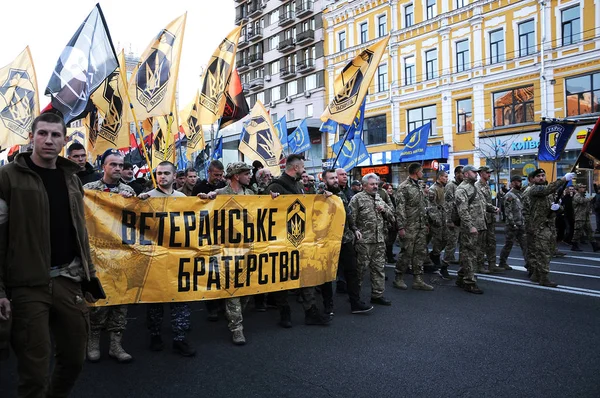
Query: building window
[
  {"x": 430, "y": 9},
  {"x": 290, "y": 114},
  {"x": 292, "y": 88},
  {"x": 276, "y": 93},
  {"x": 310, "y": 82},
  {"x": 583, "y": 94},
  {"x": 382, "y": 77},
  {"x": 513, "y": 106},
  {"x": 342, "y": 40},
  {"x": 420, "y": 116},
  {"x": 375, "y": 130},
  {"x": 274, "y": 68},
  {"x": 570, "y": 25},
  {"x": 431, "y": 64},
  {"x": 409, "y": 16},
  {"x": 462, "y": 55},
  {"x": 363, "y": 32},
  {"x": 464, "y": 115},
  {"x": 526, "y": 38},
  {"x": 496, "y": 46},
  {"x": 274, "y": 17},
  {"x": 309, "y": 110},
  {"x": 461, "y": 3},
  {"x": 409, "y": 70},
  {"x": 382, "y": 25}
]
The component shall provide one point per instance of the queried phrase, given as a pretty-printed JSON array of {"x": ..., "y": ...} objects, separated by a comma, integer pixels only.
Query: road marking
[
  {"x": 561, "y": 263},
  {"x": 519, "y": 268}
]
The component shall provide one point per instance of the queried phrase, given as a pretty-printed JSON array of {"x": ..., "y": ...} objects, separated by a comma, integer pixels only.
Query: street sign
[{"x": 444, "y": 167}]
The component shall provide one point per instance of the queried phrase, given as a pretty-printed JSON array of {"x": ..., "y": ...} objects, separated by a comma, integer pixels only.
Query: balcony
[
  {"x": 255, "y": 9},
  {"x": 306, "y": 65},
  {"x": 245, "y": 88},
  {"x": 287, "y": 72},
  {"x": 257, "y": 83},
  {"x": 286, "y": 45},
  {"x": 305, "y": 37},
  {"x": 255, "y": 33},
  {"x": 255, "y": 59},
  {"x": 304, "y": 8},
  {"x": 243, "y": 42},
  {"x": 286, "y": 18},
  {"x": 241, "y": 64}
]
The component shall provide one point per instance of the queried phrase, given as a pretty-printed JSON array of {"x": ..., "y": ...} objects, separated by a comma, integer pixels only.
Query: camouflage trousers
[
  {"x": 233, "y": 312},
  {"x": 451, "y": 243},
  {"x": 112, "y": 318},
  {"x": 512, "y": 235},
  {"x": 583, "y": 229},
  {"x": 487, "y": 246},
  {"x": 542, "y": 248},
  {"x": 415, "y": 250},
  {"x": 180, "y": 319},
  {"x": 469, "y": 255},
  {"x": 372, "y": 256},
  {"x": 439, "y": 239}
]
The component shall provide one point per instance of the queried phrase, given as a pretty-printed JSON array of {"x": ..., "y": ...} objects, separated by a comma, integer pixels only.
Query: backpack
[{"x": 454, "y": 216}]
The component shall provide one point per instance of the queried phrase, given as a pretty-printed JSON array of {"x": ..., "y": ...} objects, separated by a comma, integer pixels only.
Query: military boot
[
  {"x": 535, "y": 276},
  {"x": 575, "y": 247},
  {"x": 435, "y": 259},
  {"x": 482, "y": 270},
  {"x": 419, "y": 284},
  {"x": 544, "y": 281},
  {"x": 494, "y": 269},
  {"x": 399, "y": 283},
  {"x": 238, "y": 337},
  {"x": 506, "y": 267},
  {"x": 93, "y": 346},
  {"x": 116, "y": 351},
  {"x": 595, "y": 246},
  {"x": 286, "y": 317}
]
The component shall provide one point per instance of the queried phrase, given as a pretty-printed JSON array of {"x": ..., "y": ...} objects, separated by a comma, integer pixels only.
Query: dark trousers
[
  {"x": 180, "y": 319},
  {"x": 597, "y": 218},
  {"x": 58, "y": 309},
  {"x": 349, "y": 266}
]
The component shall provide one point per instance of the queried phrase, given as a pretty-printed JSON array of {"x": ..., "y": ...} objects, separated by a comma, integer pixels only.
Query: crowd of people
[{"x": 47, "y": 274}]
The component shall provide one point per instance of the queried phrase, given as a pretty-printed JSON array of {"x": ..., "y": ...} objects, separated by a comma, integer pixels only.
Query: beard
[{"x": 333, "y": 188}]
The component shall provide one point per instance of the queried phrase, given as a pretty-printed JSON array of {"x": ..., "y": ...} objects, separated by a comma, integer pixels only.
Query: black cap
[
  {"x": 355, "y": 183},
  {"x": 536, "y": 172},
  {"x": 180, "y": 173},
  {"x": 107, "y": 153},
  {"x": 515, "y": 178}
]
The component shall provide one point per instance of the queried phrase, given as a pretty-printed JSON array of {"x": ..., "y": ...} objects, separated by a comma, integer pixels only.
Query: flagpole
[{"x": 340, "y": 151}]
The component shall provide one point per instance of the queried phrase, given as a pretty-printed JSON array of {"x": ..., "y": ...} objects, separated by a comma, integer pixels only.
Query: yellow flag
[
  {"x": 351, "y": 85},
  {"x": 164, "y": 143},
  {"x": 19, "y": 103},
  {"x": 153, "y": 83},
  {"x": 259, "y": 139},
  {"x": 216, "y": 77},
  {"x": 192, "y": 128},
  {"x": 111, "y": 100}
]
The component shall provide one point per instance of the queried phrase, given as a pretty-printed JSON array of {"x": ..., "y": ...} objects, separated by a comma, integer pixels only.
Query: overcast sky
[{"x": 47, "y": 26}]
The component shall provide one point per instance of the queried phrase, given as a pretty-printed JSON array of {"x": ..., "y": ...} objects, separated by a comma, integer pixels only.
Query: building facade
[{"x": 484, "y": 73}]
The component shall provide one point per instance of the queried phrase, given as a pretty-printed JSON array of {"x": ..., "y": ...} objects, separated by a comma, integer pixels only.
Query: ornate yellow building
[{"x": 484, "y": 73}]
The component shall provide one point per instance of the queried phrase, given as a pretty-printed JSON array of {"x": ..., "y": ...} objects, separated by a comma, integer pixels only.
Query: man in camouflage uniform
[
  {"x": 369, "y": 213},
  {"x": 439, "y": 218},
  {"x": 487, "y": 238},
  {"x": 114, "y": 317},
  {"x": 541, "y": 224},
  {"x": 582, "y": 208},
  {"x": 453, "y": 230},
  {"x": 515, "y": 222},
  {"x": 411, "y": 219},
  {"x": 471, "y": 207}
]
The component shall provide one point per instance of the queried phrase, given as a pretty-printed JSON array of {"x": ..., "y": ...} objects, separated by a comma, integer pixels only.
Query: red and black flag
[
  {"x": 590, "y": 153},
  {"x": 236, "y": 107},
  {"x": 87, "y": 60}
]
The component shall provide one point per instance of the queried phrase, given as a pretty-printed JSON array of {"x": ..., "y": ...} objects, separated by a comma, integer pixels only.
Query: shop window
[
  {"x": 420, "y": 116},
  {"x": 583, "y": 94},
  {"x": 513, "y": 106},
  {"x": 375, "y": 130},
  {"x": 464, "y": 115}
]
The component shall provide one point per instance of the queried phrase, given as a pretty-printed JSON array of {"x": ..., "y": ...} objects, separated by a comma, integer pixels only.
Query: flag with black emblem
[
  {"x": 192, "y": 128},
  {"x": 86, "y": 61},
  {"x": 19, "y": 103},
  {"x": 351, "y": 85},
  {"x": 236, "y": 107},
  {"x": 259, "y": 140},
  {"x": 590, "y": 152},
  {"x": 111, "y": 101},
  {"x": 153, "y": 83},
  {"x": 216, "y": 78},
  {"x": 164, "y": 139}
]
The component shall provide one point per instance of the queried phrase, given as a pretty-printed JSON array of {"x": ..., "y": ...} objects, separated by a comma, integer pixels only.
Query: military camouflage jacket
[
  {"x": 437, "y": 207},
  {"x": 101, "y": 186},
  {"x": 526, "y": 203},
  {"x": 582, "y": 207},
  {"x": 349, "y": 227},
  {"x": 540, "y": 198},
  {"x": 411, "y": 205},
  {"x": 471, "y": 212},
  {"x": 449, "y": 196},
  {"x": 367, "y": 219},
  {"x": 486, "y": 191},
  {"x": 229, "y": 191},
  {"x": 513, "y": 208}
]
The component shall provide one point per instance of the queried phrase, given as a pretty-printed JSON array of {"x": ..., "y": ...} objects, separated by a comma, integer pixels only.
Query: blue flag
[
  {"x": 357, "y": 124},
  {"x": 281, "y": 127},
  {"x": 299, "y": 140},
  {"x": 218, "y": 153},
  {"x": 415, "y": 144},
  {"x": 329, "y": 126},
  {"x": 553, "y": 140},
  {"x": 350, "y": 153}
]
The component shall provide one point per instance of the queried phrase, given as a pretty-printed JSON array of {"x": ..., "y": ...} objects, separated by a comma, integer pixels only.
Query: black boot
[
  {"x": 435, "y": 259},
  {"x": 314, "y": 317},
  {"x": 286, "y": 317},
  {"x": 444, "y": 273},
  {"x": 575, "y": 247},
  {"x": 595, "y": 246}
]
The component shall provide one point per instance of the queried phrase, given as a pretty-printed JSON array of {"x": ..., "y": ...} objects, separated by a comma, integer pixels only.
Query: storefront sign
[
  {"x": 381, "y": 170},
  {"x": 581, "y": 135},
  {"x": 526, "y": 144},
  {"x": 528, "y": 168}
]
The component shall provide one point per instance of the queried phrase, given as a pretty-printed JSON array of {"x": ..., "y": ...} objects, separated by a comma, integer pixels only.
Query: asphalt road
[{"x": 516, "y": 340}]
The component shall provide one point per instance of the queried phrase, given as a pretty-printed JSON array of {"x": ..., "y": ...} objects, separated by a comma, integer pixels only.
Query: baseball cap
[
  {"x": 486, "y": 169},
  {"x": 470, "y": 168},
  {"x": 236, "y": 168}
]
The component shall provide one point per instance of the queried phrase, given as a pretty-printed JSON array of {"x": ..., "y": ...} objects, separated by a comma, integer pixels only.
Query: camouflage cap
[
  {"x": 237, "y": 168},
  {"x": 470, "y": 168},
  {"x": 581, "y": 186},
  {"x": 486, "y": 169}
]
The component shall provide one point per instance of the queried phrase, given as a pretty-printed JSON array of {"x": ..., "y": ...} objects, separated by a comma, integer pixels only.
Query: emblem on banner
[
  {"x": 352, "y": 78},
  {"x": 553, "y": 135},
  {"x": 19, "y": 95},
  {"x": 296, "y": 223},
  {"x": 155, "y": 72},
  {"x": 114, "y": 115}
]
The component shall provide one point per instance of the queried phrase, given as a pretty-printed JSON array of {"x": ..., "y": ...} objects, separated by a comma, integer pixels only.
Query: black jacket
[
  {"x": 286, "y": 185},
  {"x": 205, "y": 187},
  {"x": 88, "y": 174},
  {"x": 136, "y": 185}
]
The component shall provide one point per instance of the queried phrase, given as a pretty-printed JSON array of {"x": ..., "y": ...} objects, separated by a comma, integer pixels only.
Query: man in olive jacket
[{"x": 42, "y": 222}]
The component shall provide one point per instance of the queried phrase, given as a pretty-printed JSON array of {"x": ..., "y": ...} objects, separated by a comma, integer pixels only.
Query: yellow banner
[
  {"x": 18, "y": 100},
  {"x": 352, "y": 84},
  {"x": 259, "y": 140},
  {"x": 192, "y": 128},
  {"x": 185, "y": 249}
]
